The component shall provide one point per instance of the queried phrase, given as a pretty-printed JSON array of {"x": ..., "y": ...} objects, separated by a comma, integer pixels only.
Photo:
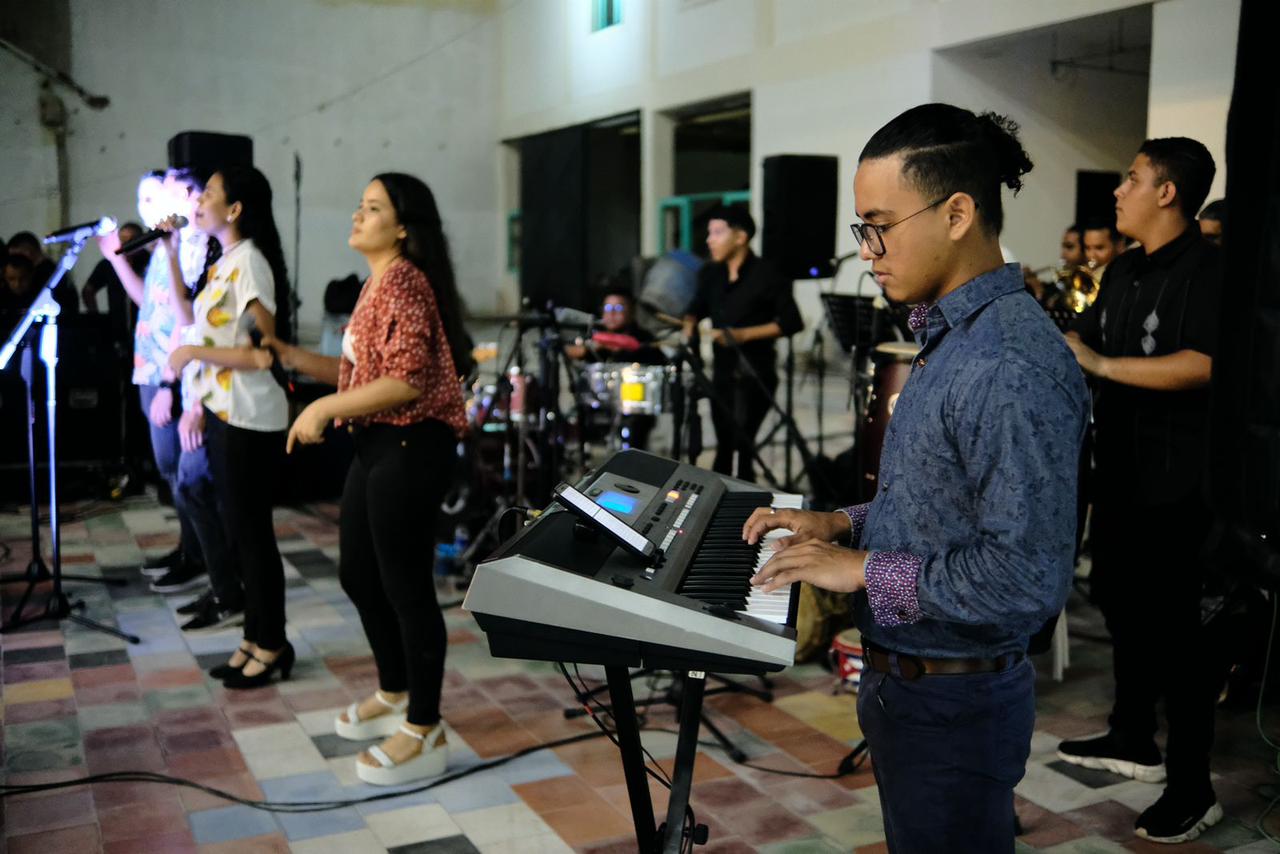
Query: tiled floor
[{"x": 76, "y": 702}]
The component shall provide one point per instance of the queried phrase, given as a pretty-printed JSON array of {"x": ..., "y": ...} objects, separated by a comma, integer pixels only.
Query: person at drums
[
  {"x": 964, "y": 551},
  {"x": 621, "y": 340},
  {"x": 400, "y": 396},
  {"x": 750, "y": 306}
]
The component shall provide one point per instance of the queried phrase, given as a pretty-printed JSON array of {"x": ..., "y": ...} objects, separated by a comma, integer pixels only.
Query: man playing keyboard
[{"x": 968, "y": 546}]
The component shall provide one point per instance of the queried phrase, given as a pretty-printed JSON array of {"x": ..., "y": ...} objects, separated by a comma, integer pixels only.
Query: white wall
[
  {"x": 1083, "y": 120},
  {"x": 29, "y": 189},
  {"x": 1193, "y": 59},
  {"x": 407, "y": 86}
]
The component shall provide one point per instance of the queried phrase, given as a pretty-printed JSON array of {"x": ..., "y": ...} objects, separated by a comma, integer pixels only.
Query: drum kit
[{"x": 526, "y": 435}]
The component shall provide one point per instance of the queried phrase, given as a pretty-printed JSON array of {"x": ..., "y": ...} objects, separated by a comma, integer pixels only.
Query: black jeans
[
  {"x": 1148, "y": 579},
  {"x": 744, "y": 410},
  {"x": 246, "y": 465},
  {"x": 386, "y": 541}
]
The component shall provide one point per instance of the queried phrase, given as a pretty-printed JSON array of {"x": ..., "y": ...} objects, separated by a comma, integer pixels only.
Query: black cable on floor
[{"x": 288, "y": 806}]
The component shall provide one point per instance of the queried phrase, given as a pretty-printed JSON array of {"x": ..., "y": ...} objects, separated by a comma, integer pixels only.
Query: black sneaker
[
  {"x": 1175, "y": 819},
  {"x": 213, "y": 617},
  {"x": 154, "y": 567},
  {"x": 1109, "y": 753},
  {"x": 198, "y": 604},
  {"x": 181, "y": 578}
]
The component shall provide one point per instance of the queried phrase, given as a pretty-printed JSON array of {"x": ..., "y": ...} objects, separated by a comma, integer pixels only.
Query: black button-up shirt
[
  {"x": 1150, "y": 444},
  {"x": 760, "y": 295}
]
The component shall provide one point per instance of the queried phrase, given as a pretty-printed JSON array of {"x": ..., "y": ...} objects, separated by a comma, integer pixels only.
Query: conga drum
[{"x": 891, "y": 366}]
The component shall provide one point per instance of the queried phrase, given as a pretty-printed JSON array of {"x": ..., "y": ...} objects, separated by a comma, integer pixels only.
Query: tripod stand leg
[{"x": 735, "y": 753}]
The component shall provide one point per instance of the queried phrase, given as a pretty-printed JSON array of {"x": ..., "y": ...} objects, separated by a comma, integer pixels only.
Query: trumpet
[{"x": 1075, "y": 285}]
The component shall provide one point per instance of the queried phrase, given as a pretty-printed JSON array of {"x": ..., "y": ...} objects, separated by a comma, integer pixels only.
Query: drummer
[{"x": 621, "y": 340}]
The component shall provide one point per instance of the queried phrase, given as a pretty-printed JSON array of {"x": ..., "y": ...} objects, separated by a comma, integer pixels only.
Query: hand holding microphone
[{"x": 163, "y": 229}]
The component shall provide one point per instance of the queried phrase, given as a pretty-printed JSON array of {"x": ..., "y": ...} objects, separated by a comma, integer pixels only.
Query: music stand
[{"x": 44, "y": 310}]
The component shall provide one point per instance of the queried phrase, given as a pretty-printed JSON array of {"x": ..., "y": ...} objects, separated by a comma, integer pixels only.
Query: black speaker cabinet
[
  {"x": 799, "y": 234},
  {"x": 205, "y": 152}
]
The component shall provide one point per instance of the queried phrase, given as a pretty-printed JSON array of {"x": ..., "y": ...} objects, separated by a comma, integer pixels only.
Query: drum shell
[{"x": 891, "y": 367}]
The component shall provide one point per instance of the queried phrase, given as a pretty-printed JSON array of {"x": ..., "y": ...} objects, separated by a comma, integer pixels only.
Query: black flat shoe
[
  {"x": 283, "y": 663},
  {"x": 222, "y": 671}
]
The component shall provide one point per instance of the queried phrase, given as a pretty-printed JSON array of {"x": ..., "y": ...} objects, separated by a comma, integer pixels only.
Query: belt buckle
[{"x": 904, "y": 666}]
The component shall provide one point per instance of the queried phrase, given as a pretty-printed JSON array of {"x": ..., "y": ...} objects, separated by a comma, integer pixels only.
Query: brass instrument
[{"x": 1078, "y": 285}]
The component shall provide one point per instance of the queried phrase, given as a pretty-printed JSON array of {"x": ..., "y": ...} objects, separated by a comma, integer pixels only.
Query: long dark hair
[
  {"x": 427, "y": 248},
  {"x": 249, "y": 187},
  {"x": 947, "y": 149}
]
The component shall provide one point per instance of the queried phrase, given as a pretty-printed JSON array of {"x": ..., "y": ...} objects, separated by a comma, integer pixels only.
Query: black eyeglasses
[{"x": 873, "y": 235}]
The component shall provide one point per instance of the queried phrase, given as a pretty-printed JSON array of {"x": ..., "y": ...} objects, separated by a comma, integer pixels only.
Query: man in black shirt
[
  {"x": 26, "y": 244},
  {"x": 750, "y": 302},
  {"x": 1149, "y": 342}
]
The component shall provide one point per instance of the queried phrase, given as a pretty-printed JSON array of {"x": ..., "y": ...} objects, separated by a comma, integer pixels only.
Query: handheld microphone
[
  {"x": 83, "y": 231},
  {"x": 153, "y": 234}
]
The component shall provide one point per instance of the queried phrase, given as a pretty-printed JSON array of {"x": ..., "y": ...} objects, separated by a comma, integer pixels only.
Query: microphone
[
  {"x": 153, "y": 234},
  {"x": 81, "y": 232},
  {"x": 840, "y": 259}
]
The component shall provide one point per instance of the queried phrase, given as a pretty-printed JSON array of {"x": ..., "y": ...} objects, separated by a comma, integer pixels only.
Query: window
[{"x": 606, "y": 13}]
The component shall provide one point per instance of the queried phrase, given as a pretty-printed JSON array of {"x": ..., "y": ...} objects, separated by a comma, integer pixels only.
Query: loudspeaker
[
  {"x": 799, "y": 234},
  {"x": 205, "y": 152}
]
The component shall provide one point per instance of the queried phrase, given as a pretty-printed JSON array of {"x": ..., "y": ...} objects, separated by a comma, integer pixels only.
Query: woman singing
[
  {"x": 400, "y": 397},
  {"x": 231, "y": 399}
]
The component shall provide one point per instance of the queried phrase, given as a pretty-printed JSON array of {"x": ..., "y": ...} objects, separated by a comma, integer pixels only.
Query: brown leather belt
[{"x": 914, "y": 666}]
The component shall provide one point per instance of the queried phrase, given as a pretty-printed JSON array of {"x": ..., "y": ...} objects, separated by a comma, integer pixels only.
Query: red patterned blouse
[{"x": 396, "y": 331}]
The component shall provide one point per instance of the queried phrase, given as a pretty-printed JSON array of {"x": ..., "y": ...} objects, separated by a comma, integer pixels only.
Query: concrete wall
[
  {"x": 1082, "y": 120},
  {"x": 1193, "y": 63},
  {"x": 355, "y": 88},
  {"x": 824, "y": 74}
]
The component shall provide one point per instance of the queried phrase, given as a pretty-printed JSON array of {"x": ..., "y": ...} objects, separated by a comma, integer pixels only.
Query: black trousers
[
  {"x": 1148, "y": 579},
  {"x": 386, "y": 539},
  {"x": 245, "y": 465},
  {"x": 745, "y": 406}
]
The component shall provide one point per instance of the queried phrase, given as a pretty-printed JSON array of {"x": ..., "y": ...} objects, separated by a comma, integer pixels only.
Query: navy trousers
[{"x": 947, "y": 752}]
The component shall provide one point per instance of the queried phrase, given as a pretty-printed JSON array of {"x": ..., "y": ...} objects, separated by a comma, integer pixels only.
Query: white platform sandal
[
  {"x": 379, "y": 726},
  {"x": 430, "y": 762}
]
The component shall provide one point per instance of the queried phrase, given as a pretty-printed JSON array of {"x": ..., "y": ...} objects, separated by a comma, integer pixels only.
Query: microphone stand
[
  {"x": 785, "y": 419},
  {"x": 44, "y": 310}
]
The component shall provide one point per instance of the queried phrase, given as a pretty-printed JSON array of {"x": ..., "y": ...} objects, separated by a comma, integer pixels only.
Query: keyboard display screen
[{"x": 617, "y": 502}]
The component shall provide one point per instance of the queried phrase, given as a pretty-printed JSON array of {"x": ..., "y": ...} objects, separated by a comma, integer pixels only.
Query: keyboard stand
[
  {"x": 667, "y": 838},
  {"x": 672, "y": 697}
]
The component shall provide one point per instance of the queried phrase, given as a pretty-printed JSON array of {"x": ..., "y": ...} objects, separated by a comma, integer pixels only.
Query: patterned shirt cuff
[
  {"x": 857, "y": 519},
  {"x": 892, "y": 590}
]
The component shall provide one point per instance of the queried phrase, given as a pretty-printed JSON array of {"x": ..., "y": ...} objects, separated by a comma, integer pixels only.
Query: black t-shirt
[
  {"x": 1150, "y": 445},
  {"x": 119, "y": 305},
  {"x": 760, "y": 295}
]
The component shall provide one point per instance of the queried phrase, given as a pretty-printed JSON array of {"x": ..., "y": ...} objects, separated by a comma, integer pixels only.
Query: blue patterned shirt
[{"x": 972, "y": 534}]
